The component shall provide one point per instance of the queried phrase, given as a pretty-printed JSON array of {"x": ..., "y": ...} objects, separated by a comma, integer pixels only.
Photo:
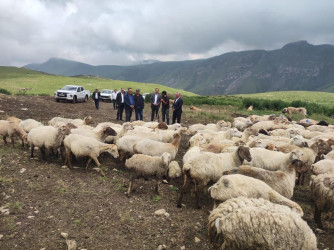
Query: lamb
[
  {"x": 233, "y": 186},
  {"x": 206, "y": 167},
  {"x": 282, "y": 182},
  {"x": 77, "y": 122},
  {"x": 156, "y": 148},
  {"x": 292, "y": 110},
  {"x": 85, "y": 146},
  {"x": 325, "y": 166},
  {"x": 14, "y": 119},
  {"x": 145, "y": 165},
  {"x": 46, "y": 138},
  {"x": 100, "y": 135},
  {"x": 12, "y": 129},
  {"x": 29, "y": 124},
  {"x": 214, "y": 127},
  {"x": 322, "y": 189},
  {"x": 272, "y": 160},
  {"x": 174, "y": 170},
  {"x": 248, "y": 223}
]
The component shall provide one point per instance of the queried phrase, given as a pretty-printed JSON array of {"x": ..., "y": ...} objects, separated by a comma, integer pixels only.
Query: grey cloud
[{"x": 118, "y": 32}]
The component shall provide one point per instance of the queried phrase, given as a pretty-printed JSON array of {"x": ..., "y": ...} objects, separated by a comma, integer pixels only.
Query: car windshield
[
  {"x": 105, "y": 91},
  {"x": 71, "y": 88}
]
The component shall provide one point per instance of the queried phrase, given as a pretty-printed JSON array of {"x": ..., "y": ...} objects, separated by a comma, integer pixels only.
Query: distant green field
[
  {"x": 13, "y": 79},
  {"x": 323, "y": 98}
]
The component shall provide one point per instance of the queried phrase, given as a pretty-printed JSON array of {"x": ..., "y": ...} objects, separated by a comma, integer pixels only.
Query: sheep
[
  {"x": 325, "y": 166},
  {"x": 233, "y": 186},
  {"x": 85, "y": 146},
  {"x": 308, "y": 122},
  {"x": 282, "y": 182},
  {"x": 174, "y": 126},
  {"x": 46, "y": 138},
  {"x": 100, "y": 135},
  {"x": 14, "y": 119},
  {"x": 192, "y": 152},
  {"x": 125, "y": 145},
  {"x": 271, "y": 160},
  {"x": 174, "y": 170},
  {"x": 269, "y": 125},
  {"x": 292, "y": 110},
  {"x": 258, "y": 118},
  {"x": 12, "y": 129},
  {"x": 69, "y": 125},
  {"x": 206, "y": 167},
  {"x": 157, "y": 148},
  {"x": 322, "y": 189},
  {"x": 248, "y": 223},
  {"x": 29, "y": 124},
  {"x": 157, "y": 135},
  {"x": 320, "y": 128},
  {"x": 77, "y": 122},
  {"x": 214, "y": 127},
  {"x": 213, "y": 137},
  {"x": 242, "y": 123},
  {"x": 330, "y": 155},
  {"x": 145, "y": 165}
]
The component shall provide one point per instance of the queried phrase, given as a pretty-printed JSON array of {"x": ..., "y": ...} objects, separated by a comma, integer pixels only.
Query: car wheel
[
  {"x": 74, "y": 99},
  {"x": 86, "y": 99},
  {"x": 57, "y": 100}
]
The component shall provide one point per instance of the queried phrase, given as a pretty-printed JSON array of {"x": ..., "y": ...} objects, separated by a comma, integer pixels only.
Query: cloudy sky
[{"x": 124, "y": 31}]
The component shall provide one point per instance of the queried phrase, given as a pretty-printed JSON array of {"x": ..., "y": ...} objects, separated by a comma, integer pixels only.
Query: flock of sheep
[{"x": 253, "y": 165}]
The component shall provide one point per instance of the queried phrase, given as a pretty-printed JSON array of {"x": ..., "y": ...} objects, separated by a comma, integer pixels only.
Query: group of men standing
[{"x": 135, "y": 102}]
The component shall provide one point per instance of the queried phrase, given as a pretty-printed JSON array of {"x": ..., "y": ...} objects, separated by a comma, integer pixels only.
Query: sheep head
[
  {"x": 112, "y": 149},
  {"x": 296, "y": 154},
  {"x": 244, "y": 154},
  {"x": 299, "y": 166},
  {"x": 128, "y": 126},
  {"x": 64, "y": 130},
  {"x": 166, "y": 158},
  {"x": 109, "y": 131},
  {"x": 162, "y": 125},
  {"x": 251, "y": 131},
  {"x": 285, "y": 110},
  {"x": 71, "y": 126},
  {"x": 235, "y": 133},
  {"x": 88, "y": 120}
]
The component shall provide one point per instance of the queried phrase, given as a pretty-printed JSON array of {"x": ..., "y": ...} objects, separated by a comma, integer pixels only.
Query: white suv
[
  {"x": 72, "y": 93},
  {"x": 106, "y": 95}
]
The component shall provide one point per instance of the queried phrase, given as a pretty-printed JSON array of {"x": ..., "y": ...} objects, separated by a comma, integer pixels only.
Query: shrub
[{"x": 5, "y": 91}]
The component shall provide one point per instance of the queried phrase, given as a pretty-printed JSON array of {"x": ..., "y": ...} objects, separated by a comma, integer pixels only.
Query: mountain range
[{"x": 295, "y": 66}]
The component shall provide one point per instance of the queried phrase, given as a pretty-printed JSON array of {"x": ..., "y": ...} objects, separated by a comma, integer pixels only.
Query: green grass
[
  {"x": 323, "y": 98},
  {"x": 13, "y": 79}
]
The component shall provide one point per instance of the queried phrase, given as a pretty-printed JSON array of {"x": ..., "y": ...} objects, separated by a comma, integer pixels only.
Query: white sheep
[
  {"x": 46, "y": 138},
  {"x": 192, "y": 152},
  {"x": 174, "y": 170},
  {"x": 213, "y": 127},
  {"x": 29, "y": 124},
  {"x": 330, "y": 155},
  {"x": 206, "y": 167},
  {"x": 258, "y": 118},
  {"x": 147, "y": 166},
  {"x": 269, "y": 125},
  {"x": 242, "y": 123},
  {"x": 14, "y": 119},
  {"x": 77, "y": 122},
  {"x": 100, "y": 134},
  {"x": 233, "y": 186},
  {"x": 325, "y": 166},
  {"x": 272, "y": 160},
  {"x": 157, "y": 134},
  {"x": 85, "y": 146},
  {"x": 157, "y": 148},
  {"x": 248, "y": 223},
  {"x": 12, "y": 129},
  {"x": 322, "y": 189},
  {"x": 125, "y": 145},
  {"x": 120, "y": 130},
  {"x": 213, "y": 137},
  {"x": 282, "y": 182}
]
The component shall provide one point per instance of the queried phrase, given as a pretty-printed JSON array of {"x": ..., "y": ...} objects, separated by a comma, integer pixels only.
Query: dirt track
[{"x": 92, "y": 209}]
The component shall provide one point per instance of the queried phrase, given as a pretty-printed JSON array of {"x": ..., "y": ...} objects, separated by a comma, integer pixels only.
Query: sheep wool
[
  {"x": 245, "y": 223},
  {"x": 174, "y": 170}
]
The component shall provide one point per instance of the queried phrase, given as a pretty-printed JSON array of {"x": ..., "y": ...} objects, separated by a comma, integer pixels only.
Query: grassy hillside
[
  {"x": 323, "y": 98},
  {"x": 13, "y": 79}
]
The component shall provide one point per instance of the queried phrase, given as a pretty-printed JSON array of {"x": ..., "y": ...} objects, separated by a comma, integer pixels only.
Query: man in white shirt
[
  {"x": 120, "y": 104},
  {"x": 113, "y": 97},
  {"x": 155, "y": 104}
]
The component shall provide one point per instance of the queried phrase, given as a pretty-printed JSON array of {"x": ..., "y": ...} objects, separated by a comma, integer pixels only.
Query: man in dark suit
[
  {"x": 120, "y": 104},
  {"x": 155, "y": 104},
  {"x": 177, "y": 108},
  {"x": 96, "y": 97},
  {"x": 129, "y": 102},
  {"x": 139, "y": 105}
]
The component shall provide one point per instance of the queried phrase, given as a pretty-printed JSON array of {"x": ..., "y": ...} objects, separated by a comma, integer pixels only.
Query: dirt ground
[{"x": 44, "y": 199}]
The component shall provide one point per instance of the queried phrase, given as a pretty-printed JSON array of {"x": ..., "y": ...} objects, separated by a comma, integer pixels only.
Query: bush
[{"x": 5, "y": 91}]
